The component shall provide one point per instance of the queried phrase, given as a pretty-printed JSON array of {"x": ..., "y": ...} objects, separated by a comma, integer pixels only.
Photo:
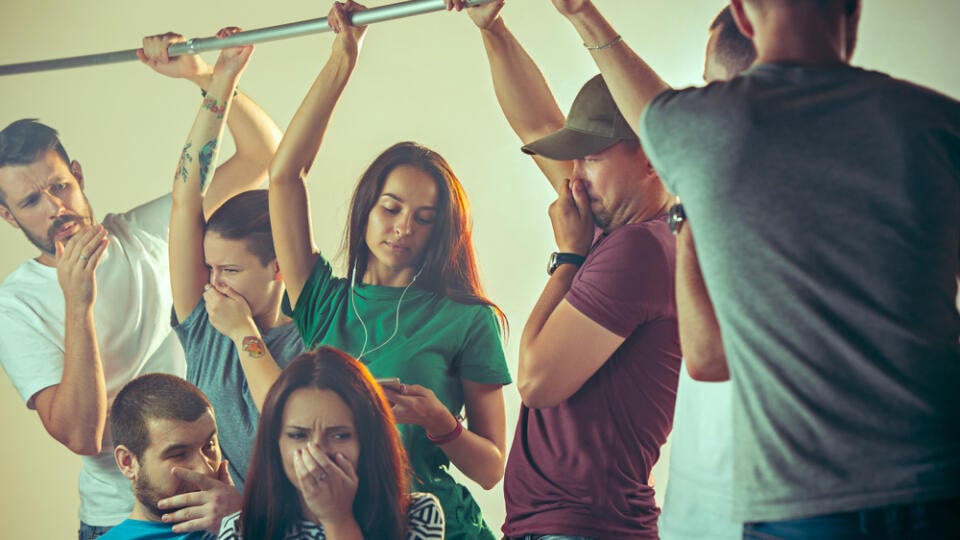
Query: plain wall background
[{"x": 423, "y": 78}]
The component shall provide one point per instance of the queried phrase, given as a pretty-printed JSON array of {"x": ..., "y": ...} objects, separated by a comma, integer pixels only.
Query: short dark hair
[
  {"x": 246, "y": 216},
  {"x": 148, "y": 397},
  {"x": 734, "y": 51},
  {"x": 22, "y": 142}
]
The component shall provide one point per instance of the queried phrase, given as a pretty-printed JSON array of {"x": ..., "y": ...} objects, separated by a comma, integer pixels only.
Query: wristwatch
[
  {"x": 557, "y": 258},
  {"x": 675, "y": 218}
]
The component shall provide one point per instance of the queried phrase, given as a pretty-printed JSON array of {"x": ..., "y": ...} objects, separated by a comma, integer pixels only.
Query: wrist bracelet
[
  {"x": 449, "y": 437},
  {"x": 611, "y": 43}
]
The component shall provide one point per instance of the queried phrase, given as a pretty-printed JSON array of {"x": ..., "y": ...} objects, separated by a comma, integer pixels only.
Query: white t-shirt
[
  {"x": 699, "y": 498},
  {"x": 132, "y": 318}
]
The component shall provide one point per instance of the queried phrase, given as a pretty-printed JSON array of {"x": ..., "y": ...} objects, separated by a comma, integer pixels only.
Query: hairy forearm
[
  {"x": 521, "y": 89},
  {"x": 77, "y": 412},
  {"x": 631, "y": 81},
  {"x": 535, "y": 366},
  {"x": 524, "y": 95},
  {"x": 700, "y": 338}
]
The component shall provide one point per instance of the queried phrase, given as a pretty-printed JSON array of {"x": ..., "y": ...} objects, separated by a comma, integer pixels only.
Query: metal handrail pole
[{"x": 249, "y": 37}]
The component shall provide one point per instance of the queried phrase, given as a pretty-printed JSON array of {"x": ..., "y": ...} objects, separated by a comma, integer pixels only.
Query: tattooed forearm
[
  {"x": 206, "y": 157},
  {"x": 254, "y": 346},
  {"x": 185, "y": 158},
  {"x": 213, "y": 106}
]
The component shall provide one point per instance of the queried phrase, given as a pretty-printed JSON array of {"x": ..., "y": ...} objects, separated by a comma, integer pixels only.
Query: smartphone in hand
[{"x": 392, "y": 383}]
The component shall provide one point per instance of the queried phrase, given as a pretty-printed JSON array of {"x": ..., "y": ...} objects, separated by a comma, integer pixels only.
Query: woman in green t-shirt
[{"x": 413, "y": 308}]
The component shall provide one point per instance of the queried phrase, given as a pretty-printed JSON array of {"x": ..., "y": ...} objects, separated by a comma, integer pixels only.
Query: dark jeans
[
  {"x": 90, "y": 532},
  {"x": 933, "y": 520}
]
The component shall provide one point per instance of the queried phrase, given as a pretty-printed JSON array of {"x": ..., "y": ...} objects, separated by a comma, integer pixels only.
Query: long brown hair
[
  {"x": 449, "y": 266},
  {"x": 271, "y": 503}
]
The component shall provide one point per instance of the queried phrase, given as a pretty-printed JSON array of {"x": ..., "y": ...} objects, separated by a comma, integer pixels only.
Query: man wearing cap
[
  {"x": 826, "y": 209},
  {"x": 599, "y": 354}
]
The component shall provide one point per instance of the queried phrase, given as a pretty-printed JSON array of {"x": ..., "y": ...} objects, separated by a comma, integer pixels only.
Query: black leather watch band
[{"x": 558, "y": 258}]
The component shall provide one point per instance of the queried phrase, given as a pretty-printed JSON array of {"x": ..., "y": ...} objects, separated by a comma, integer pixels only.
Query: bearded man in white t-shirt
[{"x": 92, "y": 311}]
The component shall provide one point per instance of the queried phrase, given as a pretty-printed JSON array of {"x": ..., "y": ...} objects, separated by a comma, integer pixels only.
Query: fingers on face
[
  {"x": 94, "y": 256},
  {"x": 181, "y": 503},
  {"x": 344, "y": 466},
  {"x": 306, "y": 467}
]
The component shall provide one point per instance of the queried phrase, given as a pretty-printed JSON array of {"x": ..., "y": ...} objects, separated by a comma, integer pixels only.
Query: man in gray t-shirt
[{"x": 825, "y": 201}]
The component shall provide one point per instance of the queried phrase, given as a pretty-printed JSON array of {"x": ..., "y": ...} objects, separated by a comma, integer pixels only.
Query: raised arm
[
  {"x": 254, "y": 133},
  {"x": 74, "y": 412},
  {"x": 188, "y": 271},
  {"x": 632, "y": 82},
  {"x": 521, "y": 89},
  {"x": 561, "y": 348},
  {"x": 700, "y": 338},
  {"x": 289, "y": 205}
]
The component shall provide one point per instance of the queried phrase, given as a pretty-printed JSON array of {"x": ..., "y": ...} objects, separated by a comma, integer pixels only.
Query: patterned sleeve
[
  {"x": 424, "y": 518},
  {"x": 230, "y": 527}
]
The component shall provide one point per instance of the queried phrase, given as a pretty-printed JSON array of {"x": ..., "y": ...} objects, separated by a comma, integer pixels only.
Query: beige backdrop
[{"x": 423, "y": 78}]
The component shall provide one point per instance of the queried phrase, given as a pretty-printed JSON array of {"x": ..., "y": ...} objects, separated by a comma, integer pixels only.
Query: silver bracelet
[{"x": 612, "y": 42}]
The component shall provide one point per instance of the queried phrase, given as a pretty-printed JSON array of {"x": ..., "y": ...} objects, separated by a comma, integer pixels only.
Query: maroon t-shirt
[{"x": 581, "y": 468}]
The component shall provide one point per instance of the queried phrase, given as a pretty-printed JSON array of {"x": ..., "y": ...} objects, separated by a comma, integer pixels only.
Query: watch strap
[{"x": 558, "y": 258}]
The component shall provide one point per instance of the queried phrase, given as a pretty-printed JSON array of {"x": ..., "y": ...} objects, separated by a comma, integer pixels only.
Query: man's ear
[
  {"x": 740, "y": 17},
  {"x": 277, "y": 276},
  {"x": 77, "y": 172},
  {"x": 126, "y": 461},
  {"x": 7, "y": 216}
]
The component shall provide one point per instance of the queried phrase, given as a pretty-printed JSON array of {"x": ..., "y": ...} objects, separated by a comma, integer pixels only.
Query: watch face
[
  {"x": 552, "y": 263},
  {"x": 675, "y": 218}
]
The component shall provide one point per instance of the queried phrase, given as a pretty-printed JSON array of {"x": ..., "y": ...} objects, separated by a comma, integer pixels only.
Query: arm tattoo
[
  {"x": 213, "y": 106},
  {"x": 254, "y": 346},
  {"x": 206, "y": 156},
  {"x": 182, "y": 164}
]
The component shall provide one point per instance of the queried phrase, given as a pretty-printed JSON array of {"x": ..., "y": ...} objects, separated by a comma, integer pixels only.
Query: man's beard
[
  {"x": 48, "y": 245},
  {"x": 147, "y": 494}
]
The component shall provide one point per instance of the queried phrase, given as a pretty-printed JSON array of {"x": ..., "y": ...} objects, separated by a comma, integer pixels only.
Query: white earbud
[{"x": 396, "y": 323}]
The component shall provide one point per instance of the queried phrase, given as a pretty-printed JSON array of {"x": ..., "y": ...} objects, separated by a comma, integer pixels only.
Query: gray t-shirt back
[{"x": 826, "y": 207}]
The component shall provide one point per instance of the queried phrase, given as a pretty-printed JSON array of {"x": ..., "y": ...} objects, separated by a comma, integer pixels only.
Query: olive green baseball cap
[{"x": 594, "y": 124}]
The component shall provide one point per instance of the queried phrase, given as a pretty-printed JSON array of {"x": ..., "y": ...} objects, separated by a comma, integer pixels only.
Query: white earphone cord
[{"x": 396, "y": 322}]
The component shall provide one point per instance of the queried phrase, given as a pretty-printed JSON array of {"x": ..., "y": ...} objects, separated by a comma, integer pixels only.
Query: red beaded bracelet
[{"x": 444, "y": 439}]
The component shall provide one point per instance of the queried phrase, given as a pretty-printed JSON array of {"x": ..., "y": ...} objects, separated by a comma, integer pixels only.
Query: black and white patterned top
[{"x": 424, "y": 522}]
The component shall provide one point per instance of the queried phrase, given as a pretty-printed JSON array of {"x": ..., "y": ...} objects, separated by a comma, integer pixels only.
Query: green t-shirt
[{"x": 439, "y": 342}]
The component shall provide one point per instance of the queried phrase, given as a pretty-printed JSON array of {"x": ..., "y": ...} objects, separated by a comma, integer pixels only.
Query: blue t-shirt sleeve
[{"x": 192, "y": 333}]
